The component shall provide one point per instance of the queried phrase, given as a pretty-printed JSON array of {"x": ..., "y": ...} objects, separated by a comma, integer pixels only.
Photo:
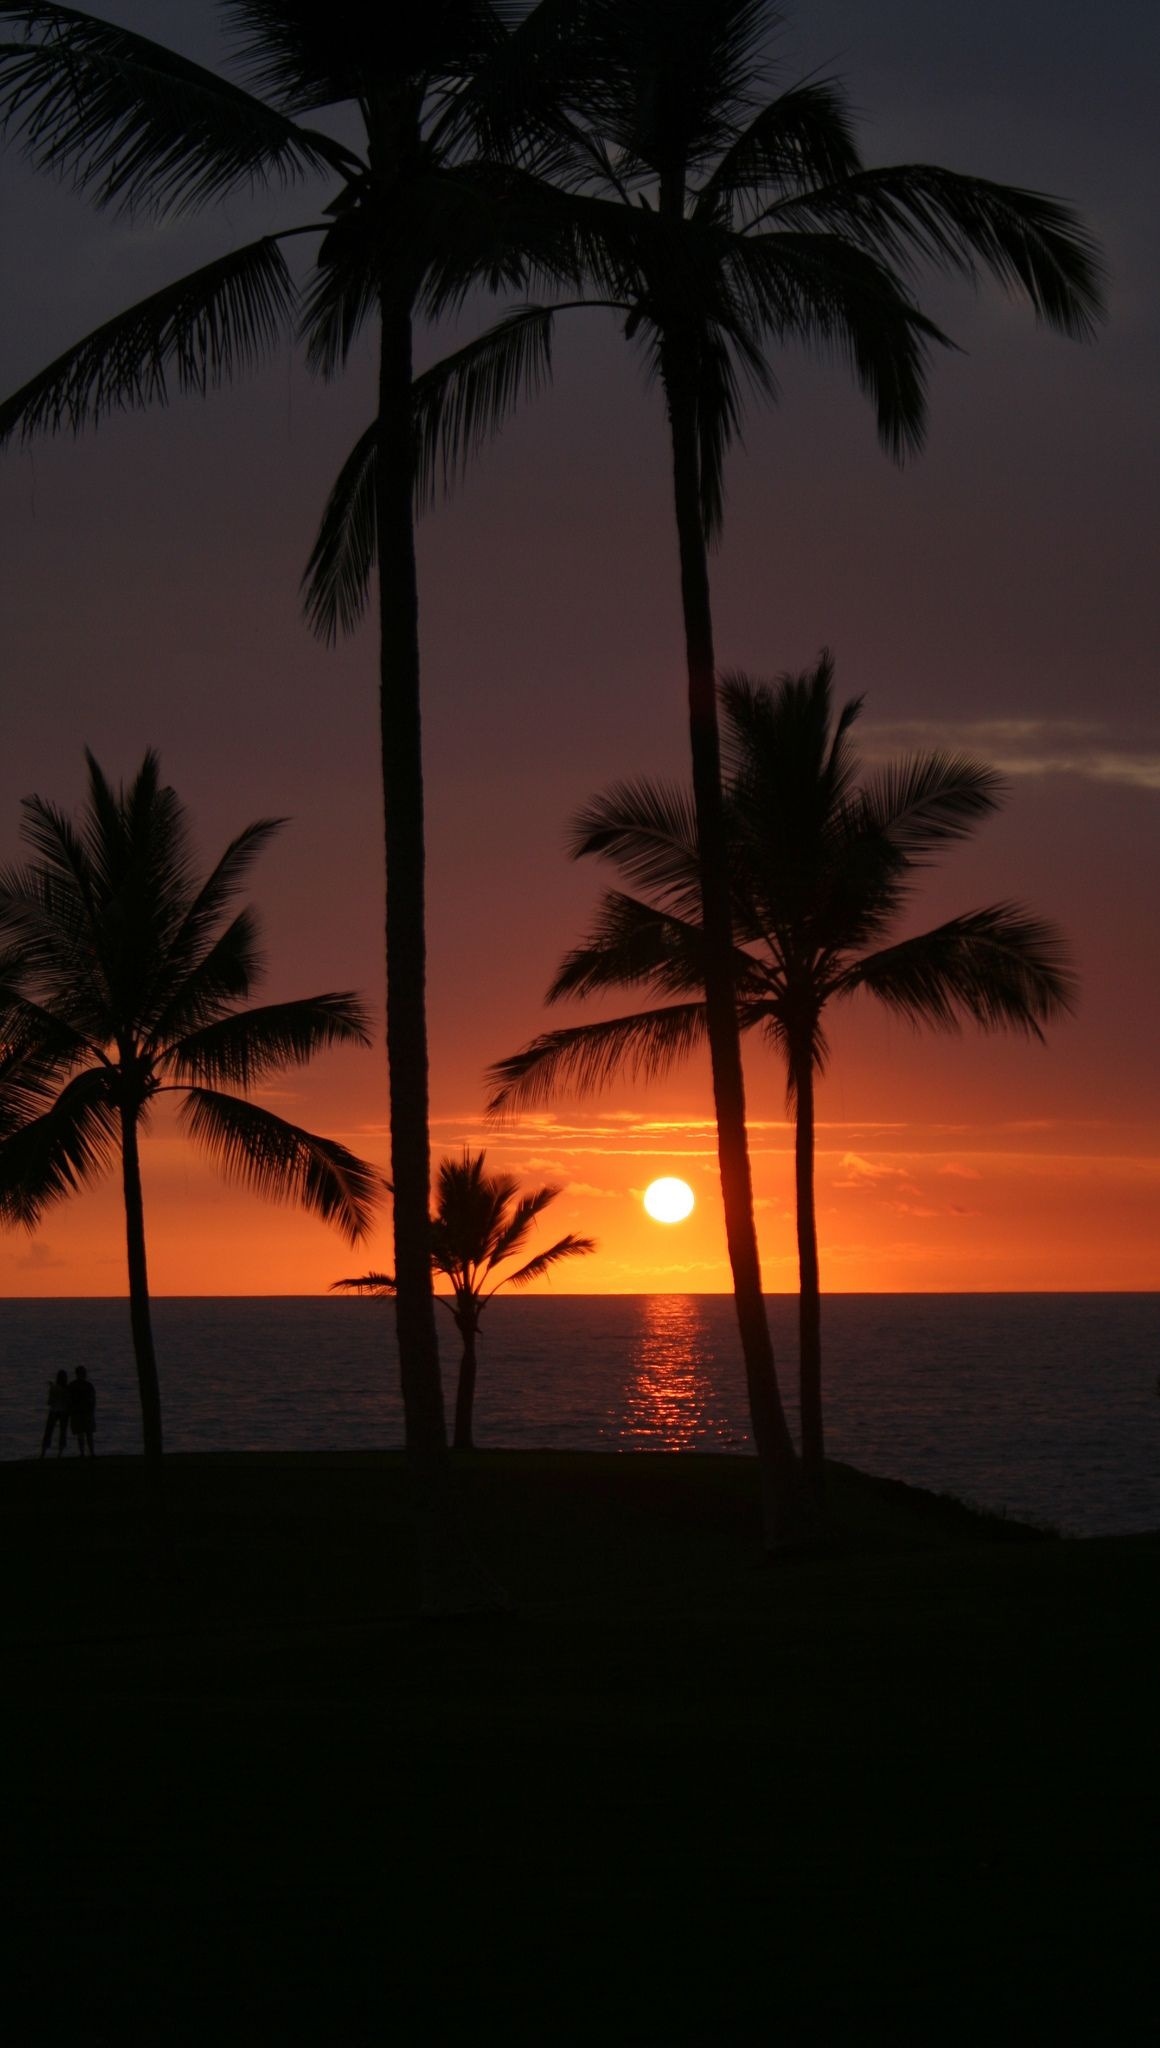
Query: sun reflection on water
[{"x": 669, "y": 1398}]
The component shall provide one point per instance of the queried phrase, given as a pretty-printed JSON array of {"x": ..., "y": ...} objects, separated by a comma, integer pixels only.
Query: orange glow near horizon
[{"x": 901, "y": 1208}]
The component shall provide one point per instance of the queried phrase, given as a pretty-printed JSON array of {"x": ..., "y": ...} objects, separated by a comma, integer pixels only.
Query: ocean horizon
[{"x": 1040, "y": 1406}]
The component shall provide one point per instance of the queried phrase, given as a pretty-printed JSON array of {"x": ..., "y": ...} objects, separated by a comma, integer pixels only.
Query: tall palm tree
[
  {"x": 481, "y": 1221},
  {"x": 821, "y": 867},
  {"x": 120, "y": 981},
  {"x": 431, "y": 201},
  {"x": 728, "y": 225}
]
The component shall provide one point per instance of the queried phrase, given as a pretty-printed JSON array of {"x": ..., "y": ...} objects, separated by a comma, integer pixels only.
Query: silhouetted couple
[{"x": 72, "y": 1404}]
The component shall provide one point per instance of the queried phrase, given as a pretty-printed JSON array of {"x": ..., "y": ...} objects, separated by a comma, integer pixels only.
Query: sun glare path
[{"x": 668, "y": 1201}]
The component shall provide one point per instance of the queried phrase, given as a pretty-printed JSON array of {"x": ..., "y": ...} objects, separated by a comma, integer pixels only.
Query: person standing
[
  {"x": 59, "y": 1402},
  {"x": 82, "y": 1410}
]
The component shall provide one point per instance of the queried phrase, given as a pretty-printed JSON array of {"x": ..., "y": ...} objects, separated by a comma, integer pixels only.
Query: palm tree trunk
[
  {"x": 465, "y": 1393},
  {"x": 809, "y": 1288},
  {"x": 139, "y": 1316},
  {"x": 780, "y": 1481},
  {"x": 452, "y": 1580},
  {"x": 402, "y": 771}
]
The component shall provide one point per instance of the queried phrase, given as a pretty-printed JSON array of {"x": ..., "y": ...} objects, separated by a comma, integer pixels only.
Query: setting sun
[{"x": 669, "y": 1201}]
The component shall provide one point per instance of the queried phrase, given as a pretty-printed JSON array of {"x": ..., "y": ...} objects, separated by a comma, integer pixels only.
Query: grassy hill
[{"x": 902, "y": 1790}]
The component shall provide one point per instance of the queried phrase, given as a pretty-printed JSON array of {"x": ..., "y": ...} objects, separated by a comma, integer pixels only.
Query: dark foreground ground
[{"x": 905, "y": 1791}]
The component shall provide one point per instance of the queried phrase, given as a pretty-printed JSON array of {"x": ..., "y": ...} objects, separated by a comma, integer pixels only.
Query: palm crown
[
  {"x": 481, "y": 1222},
  {"x": 121, "y": 978},
  {"x": 723, "y": 223}
]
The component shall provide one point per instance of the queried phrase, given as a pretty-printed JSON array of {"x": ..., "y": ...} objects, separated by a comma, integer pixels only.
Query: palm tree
[
  {"x": 420, "y": 212},
  {"x": 821, "y": 867},
  {"x": 120, "y": 981},
  {"x": 729, "y": 225},
  {"x": 480, "y": 1222}
]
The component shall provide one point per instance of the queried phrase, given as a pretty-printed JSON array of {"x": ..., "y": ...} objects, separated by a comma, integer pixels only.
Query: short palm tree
[
  {"x": 120, "y": 980},
  {"x": 821, "y": 868},
  {"x": 427, "y": 200},
  {"x": 730, "y": 224},
  {"x": 481, "y": 1221}
]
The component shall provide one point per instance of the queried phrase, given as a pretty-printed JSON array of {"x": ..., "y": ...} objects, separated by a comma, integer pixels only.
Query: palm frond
[
  {"x": 496, "y": 227},
  {"x": 188, "y": 998},
  {"x": 466, "y": 398},
  {"x": 911, "y": 213},
  {"x": 242, "y": 1049},
  {"x": 803, "y": 138},
  {"x": 198, "y": 955},
  {"x": 137, "y": 125},
  {"x": 36, "y": 1037},
  {"x": 513, "y": 1226},
  {"x": 929, "y": 800},
  {"x": 27, "y": 1073},
  {"x": 648, "y": 830},
  {"x": 819, "y": 290},
  {"x": 365, "y": 1283},
  {"x": 570, "y": 1247},
  {"x": 719, "y": 415},
  {"x": 282, "y": 1162},
  {"x": 471, "y": 1215},
  {"x": 586, "y": 1057},
  {"x": 195, "y": 335},
  {"x": 306, "y": 57},
  {"x": 517, "y": 105},
  {"x": 632, "y": 945},
  {"x": 65, "y": 1147},
  {"x": 52, "y": 922},
  {"x": 673, "y": 89},
  {"x": 998, "y": 968},
  {"x": 344, "y": 292},
  {"x": 337, "y": 579}
]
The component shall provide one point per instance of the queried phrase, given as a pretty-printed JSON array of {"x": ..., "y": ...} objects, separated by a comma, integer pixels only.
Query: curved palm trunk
[
  {"x": 465, "y": 1393},
  {"x": 809, "y": 1287},
  {"x": 402, "y": 770},
  {"x": 780, "y": 1483},
  {"x": 139, "y": 1316}
]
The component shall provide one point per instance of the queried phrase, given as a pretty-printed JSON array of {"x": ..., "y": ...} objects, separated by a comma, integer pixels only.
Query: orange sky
[
  {"x": 904, "y": 1206},
  {"x": 998, "y": 595}
]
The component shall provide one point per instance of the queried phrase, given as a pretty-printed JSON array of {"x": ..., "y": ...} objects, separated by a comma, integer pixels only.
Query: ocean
[{"x": 1040, "y": 1406}]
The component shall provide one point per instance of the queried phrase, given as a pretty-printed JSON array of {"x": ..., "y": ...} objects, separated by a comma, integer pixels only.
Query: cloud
[
  {"x": 954, "y": 1171},
  {"x": 583, "y": 1187},
  {"x": 866, "y": 1173},
  {"x": 39, "y": 1258},
  {"x": 1030, "y": 746}
]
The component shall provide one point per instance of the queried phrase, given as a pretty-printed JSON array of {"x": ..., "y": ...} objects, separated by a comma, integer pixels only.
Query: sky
[{"x": 999, "y": 594}]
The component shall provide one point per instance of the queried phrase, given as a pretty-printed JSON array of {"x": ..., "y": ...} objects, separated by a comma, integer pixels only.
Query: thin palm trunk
[
  {"x": 452, "y": 1580},
  {"x": 779, "y": 1475},
  {"x": 809, "y": 1287},
  {"x": 465, "y": 1392},
  {"x": 402, "y": 771},
  {"x": 140, "y": 1319}
]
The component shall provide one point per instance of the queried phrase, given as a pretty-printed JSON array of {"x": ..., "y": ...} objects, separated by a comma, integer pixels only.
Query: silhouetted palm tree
[
  {"x": 418, "y": 215},
  {"x": 728, "y": 226},
  {"x": 820, "y": 869},
  {"x": 481, "y": 1221},
  {"x": 120, "y": 981}
]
